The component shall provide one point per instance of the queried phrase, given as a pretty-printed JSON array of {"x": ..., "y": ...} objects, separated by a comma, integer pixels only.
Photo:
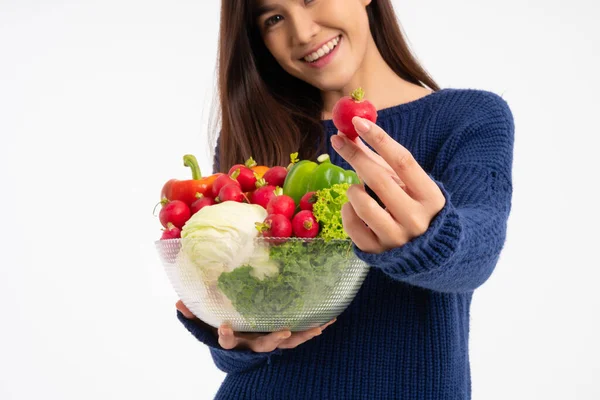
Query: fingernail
[
  {"x": 361, "y": 124},
  {"x": 337, "y": 142},
  {"x": 284, "y": 335},
  {"x": 226, "y": 332}
]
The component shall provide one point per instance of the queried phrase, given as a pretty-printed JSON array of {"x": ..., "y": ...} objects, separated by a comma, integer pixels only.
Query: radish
[
  {"x": 175, "y": 212},
  {"x": 305, "y": 224},
  {"x": 349, "y": 107},
  {"x": 244, "y": 175},
  {"x": 281, "y": 204},
  {"x": 275, "y": 176},
  {"x": 171, "y": 232},
  {"x": 221, "y": 181},
  {"x": 307, "y": 201},
  {"x": 231, "y": 192},
  {"x": 275, "y": 225},
  {"x": 201, "y": 202},
  {"x": 263, "y": 194}
]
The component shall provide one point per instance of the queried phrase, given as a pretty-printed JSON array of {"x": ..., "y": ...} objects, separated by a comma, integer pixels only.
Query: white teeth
[{"x": 325, "y": 49}]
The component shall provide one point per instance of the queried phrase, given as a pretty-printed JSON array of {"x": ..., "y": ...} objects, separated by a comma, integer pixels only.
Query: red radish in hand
[
  {"x": 221, "y": 181},
  {"x": 275, "y": 225},
  {"x": 263, "y": 194},
  {"x": 305, "y": 224},
  {"x": 349, "y": 107},
  {"x": 175, "y": 212},
  {"x": 201, "y": 202},
  {"x": 244, "y": 175},
  {"x": 307, "y": 201},
  {"x": 171, "y": 232},
  {"x": 275, "y": 176},
  {"x": 231, "y": 192}
]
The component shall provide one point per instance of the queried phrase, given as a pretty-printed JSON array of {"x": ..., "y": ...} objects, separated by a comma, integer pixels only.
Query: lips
[{"x": 322, "y": 50}]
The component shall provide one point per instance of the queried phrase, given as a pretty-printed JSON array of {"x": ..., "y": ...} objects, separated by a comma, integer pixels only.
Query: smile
[{"x": 323, "y": 50}]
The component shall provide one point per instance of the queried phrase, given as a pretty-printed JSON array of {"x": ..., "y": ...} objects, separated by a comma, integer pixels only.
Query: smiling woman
[
  {"x": 439, "y": 160},
  {"x": 262, "y": 49}
]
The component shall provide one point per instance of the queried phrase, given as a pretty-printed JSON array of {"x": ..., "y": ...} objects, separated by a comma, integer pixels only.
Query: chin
[{"x": 331, "y": 82}]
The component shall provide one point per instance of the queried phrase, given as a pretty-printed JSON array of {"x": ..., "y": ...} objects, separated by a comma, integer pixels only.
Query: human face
[{"x": 322, "y": 42}]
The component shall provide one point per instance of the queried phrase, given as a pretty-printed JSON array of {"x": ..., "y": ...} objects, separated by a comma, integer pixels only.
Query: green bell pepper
[{"x": 308, "y": 176}]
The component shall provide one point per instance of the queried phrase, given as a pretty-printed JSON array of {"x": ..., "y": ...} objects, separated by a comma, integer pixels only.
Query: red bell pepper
[{"x": 189, "y": 190}]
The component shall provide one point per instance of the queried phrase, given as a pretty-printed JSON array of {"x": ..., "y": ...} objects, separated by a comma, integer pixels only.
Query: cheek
[{"x": 276, "y": 44}]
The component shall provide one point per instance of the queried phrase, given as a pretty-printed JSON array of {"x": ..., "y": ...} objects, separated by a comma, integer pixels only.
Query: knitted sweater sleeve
[
  {"x": 228, "y": 361},
  {"x": 462, "y": 245}
]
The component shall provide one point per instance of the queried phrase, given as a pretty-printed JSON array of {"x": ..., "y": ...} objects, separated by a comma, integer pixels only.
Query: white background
[{"x": 99, "y": 100}]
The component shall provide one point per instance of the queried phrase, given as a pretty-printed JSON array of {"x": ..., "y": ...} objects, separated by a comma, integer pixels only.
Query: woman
[{"x": 441, "y": 165}]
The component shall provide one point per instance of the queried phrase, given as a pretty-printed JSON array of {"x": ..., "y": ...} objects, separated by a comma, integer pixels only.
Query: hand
[
  {"x": 260, "y": 343},
  {"x": 411, "y": 198}
]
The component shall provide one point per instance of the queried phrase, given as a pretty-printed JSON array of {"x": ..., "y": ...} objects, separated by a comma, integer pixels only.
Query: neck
[{"x": 382, "y": 86}]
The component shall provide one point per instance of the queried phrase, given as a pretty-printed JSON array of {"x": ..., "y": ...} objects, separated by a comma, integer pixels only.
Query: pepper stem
[
  {"x": 358, "y": 94},
  {"x": 293, "y": 160},
  {"x": 190, "y": 161},
  {"x": 323, "y": 158}
]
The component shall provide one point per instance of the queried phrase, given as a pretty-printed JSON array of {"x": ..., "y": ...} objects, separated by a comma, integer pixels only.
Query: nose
[{"x": 304, "y": 27}]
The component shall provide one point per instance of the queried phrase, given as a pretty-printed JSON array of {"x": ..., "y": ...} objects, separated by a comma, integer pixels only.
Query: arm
[
  {"x": 228, "y": 361},
  {"x": 461, "y": 247}
]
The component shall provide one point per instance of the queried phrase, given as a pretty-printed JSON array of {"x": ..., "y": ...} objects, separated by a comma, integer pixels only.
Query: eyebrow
[{"x": 262, "y": 10}]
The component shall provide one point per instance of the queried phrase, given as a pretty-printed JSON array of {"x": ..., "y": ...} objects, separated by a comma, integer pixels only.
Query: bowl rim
[{"x": 261, "y": 239}]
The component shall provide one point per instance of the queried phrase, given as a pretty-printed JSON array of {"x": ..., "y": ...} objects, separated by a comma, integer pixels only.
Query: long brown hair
[{"x": 268, "y": 114}]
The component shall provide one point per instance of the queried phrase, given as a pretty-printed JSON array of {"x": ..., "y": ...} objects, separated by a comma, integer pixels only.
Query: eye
[{"x": 269, "y": 22}]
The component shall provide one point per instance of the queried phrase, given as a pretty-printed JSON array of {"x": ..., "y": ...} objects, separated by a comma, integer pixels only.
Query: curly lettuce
[
  {"x": 328, "y": 211},
  {"x": 307, "y": 270}
]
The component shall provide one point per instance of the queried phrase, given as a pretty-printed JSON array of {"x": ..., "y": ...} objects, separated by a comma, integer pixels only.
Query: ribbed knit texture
[{"x": 406, "y": 334}]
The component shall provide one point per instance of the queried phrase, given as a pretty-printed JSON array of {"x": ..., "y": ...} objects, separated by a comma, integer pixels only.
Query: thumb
[{"x": 184, "y": 310}]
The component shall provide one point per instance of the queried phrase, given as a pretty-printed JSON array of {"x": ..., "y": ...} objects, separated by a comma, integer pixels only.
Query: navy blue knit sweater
[{"x": 406, "y": 334}]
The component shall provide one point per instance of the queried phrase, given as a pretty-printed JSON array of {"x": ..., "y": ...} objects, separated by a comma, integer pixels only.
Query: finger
[
  {"x": 397, "y": 201},
  {"x": 184, "y": 310},
  {"x": 397, "y": 156},
  {"x": 370, "y": 153},
  {"x": 378, "y": 220},
  {"x": 300, "y": 337},
  {"x": 361, "y": 235},
  {"x": 327, "y": 324},
  {"x": 257, "y": 342},
  {"x": 268, "y": 343},
  {"x": 380, "y": 161}
]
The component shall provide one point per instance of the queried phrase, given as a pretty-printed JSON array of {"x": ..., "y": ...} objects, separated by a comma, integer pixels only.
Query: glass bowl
[{"x": 265, "y": 284}]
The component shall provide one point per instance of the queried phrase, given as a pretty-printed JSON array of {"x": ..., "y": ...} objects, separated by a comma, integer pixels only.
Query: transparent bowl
[{"x": 265, "y": 284}]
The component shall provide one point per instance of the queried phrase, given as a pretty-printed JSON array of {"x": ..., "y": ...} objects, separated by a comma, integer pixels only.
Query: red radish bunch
[
  {"x": 275, "y": 225},
  {"x": 201, "y": 202},
  {"x": 281, "y": 204},
  {"x": 171, "y": 232},
  {"x": 263, "y": 194},
  {"x": 175, "y": 212},
  {"x": 307, "y": 201},
  {"x": 283, "y": 221},
  {"x": 349, "y": 107},
  {"x": 242, "y": 184},
  {"x": 244, "y": 175},
  {"x": 275, "y": 176},
  {"x": 221, "y": 182},
  {"x": 305, "y": 225}
]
